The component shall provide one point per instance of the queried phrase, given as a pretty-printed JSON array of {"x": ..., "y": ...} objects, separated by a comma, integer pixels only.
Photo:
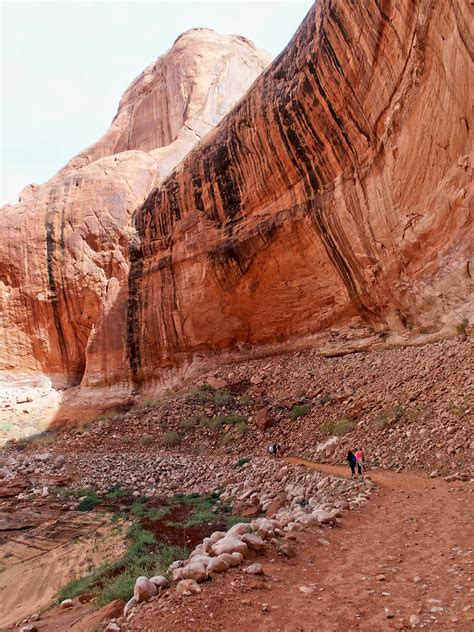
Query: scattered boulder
[
  {"x": 263, "y": 419},
  {"x": 160, "y": 581},
  {"x": 144, "y": 589},
  {"x": 229, "y": 544},
  {"x": 66, "y": 603},
  {"x": 219, "y": 564},
  {"x": 254, "y": 542}
]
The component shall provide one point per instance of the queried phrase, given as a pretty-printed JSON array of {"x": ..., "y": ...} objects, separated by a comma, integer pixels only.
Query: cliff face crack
[
  {"x": 53, "y": 288},
  {"x": 133, "y": 312}
]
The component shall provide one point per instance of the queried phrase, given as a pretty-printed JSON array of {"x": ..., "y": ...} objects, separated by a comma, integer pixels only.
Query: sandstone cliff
[
  {"x": 337, "y": 189},
  {"x": 64, "y": 247}
]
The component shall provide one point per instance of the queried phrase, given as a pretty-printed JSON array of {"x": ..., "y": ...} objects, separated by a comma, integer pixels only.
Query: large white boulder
[
  {"x": 229, "y": 544},
  {"x": 144, "y": 589}
]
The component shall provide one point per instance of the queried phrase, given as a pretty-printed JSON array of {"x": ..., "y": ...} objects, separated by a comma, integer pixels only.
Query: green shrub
[
  {"x": 151, "y": 403},
  {"x": 389, "y": 416},
  {"x": 338, "y": 426},
  {"x": 462, "y": 326},
  {"x": 171, "y": 439},
  {"x": 144, "y": 556},
  {"x": 116, "y": 492},
  {"x": 187, "y": 424},
  {"x": 245, "y": 400},
  {"x": 343, "y": 426},
  {"x": 89, "y": 503},
  {"x": 241, "y": 427},
  {"x": 224, "y": 420},
  {"x": 222, "y": 397},
  {"x": 147, "y": 439},
  {"x": 5, "y": 426},
  {"x": 298, "y": 411}
]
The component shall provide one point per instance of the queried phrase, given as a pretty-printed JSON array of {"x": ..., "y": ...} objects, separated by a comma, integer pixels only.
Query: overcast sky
[{"x": 65, "y": 65}]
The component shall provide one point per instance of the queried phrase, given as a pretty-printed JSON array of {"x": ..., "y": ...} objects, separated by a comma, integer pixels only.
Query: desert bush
[
  {"x": 461, "y": 407},
  {"x": 338, "y": 427},
  {"x": 187, "y": 424},
  {"x": 171, "y": 439},
  {"x": 222, "y": 397},
  {"x": 151, "y": 403},
  {"x": 89, "y": 502},
  {"x": 462, "y": 326},
  {"x": 241, "y": 427},
  {"x": 245, "y": 400},
  {"x": 389, "y": 416},
  {"x": 147, "y": 439},
  {"x": 298, "y": 411},
  {"x": 325, "y": 398},
  {"x": 233, "y": 419}
]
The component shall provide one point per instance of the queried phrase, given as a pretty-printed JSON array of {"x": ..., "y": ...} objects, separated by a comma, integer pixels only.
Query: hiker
[
  {"x": 273, "y": 449},
  {"x": 279, "y": 450},
  {"x": 351, "y": 459},
  {"x": 359, "y": 455}
]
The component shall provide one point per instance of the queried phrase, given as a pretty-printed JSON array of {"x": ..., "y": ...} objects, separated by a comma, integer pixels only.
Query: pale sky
[{"x": 64, "y": 66}]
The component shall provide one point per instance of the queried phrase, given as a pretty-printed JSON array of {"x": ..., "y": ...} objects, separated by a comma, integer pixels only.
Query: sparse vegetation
[
  {"x": 245, "y": 400},
  {"x": 338, "y": 427},
  {"x": 89, "y": 502},
  {"x": 147, "y": 439},
  {"x": 144, "y": 556},
  {"x": 111, "y": 414},
  {"x": 299, "y": 410},
  {"x": 325, "y": 398},
  {"x": 5, "y": 426},
  {"x": 187, "y": 424},
  {"x": 233, "y": 419},
  {"x": 461, "y": 407},
  {"x": 151, "y": 403},
  {"x": 389, "y": 416},
  {"x": 171, "y": 439},
  {"x": 462, "y": 326}
]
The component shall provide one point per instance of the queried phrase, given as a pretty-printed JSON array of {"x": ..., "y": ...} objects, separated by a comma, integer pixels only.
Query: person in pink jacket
[{"x": 359, "y": 455}]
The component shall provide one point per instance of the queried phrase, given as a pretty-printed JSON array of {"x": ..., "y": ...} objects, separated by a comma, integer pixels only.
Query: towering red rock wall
[
  {"x": 64, "y": 248},
  {"x": 338, "y": 186}
]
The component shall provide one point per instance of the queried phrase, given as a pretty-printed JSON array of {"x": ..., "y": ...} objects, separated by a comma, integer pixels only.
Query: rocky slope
[{"x": 64, "y": 248}]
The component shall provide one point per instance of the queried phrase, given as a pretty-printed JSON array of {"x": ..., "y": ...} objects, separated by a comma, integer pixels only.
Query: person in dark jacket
[{"x": 351, "y": 459}]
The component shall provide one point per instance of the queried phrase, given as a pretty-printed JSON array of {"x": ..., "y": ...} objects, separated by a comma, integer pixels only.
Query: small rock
[
  {"x": 389, "y": 613},
  {"x": 306, "y": 590},
  {"x": 67, "y": 603},
  {"x": 254, "y": 569},
  {"x": 112, "y": 627},
  {"x": 188, "y": 587},
  {"x": 160, "y": 581},
  {"x": 380, "y": 578},
  {"x": 414, "y": 620},
  {"x": 144, "y": 589},
  {"x": 30, "y": 627},
  {"x": 131, "y": 603}
]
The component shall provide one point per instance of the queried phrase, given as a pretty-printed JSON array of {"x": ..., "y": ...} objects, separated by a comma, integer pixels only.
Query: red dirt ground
[{"x": 416, "y": 532}]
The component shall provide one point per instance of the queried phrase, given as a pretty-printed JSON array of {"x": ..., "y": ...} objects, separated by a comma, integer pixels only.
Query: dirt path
[{"x": 416, "y": 534}]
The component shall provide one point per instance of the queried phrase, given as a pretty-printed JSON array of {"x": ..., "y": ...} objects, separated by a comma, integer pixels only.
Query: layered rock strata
[{"x": 337, "y": 187}]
